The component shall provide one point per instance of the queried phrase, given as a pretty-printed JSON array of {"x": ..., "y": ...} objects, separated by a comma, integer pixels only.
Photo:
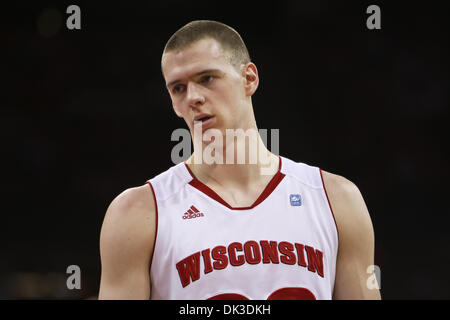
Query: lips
[
  {"x": 202, "y": 117},
  {"x": 206, "y": 120}
]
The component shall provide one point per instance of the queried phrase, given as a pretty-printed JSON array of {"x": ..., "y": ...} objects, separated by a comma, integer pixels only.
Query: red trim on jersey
[
  {"x": 292, "y": 293},
  {"x": 156, "y": 222},
  {"x": 329, "y": 203},
  {"x": 228, "y": 296},
  {"x": 274, "y": 182}
]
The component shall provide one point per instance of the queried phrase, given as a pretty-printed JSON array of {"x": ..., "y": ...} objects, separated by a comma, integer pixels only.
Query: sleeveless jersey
[{"x": 284, "y": 246}]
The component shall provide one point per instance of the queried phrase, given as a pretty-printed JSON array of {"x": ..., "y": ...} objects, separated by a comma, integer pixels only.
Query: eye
[
  {"x": 206, "y": 79},
  {"x": 178, "y": 89}
]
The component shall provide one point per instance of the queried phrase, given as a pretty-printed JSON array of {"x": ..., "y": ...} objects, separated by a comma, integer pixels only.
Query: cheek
[
  {"x": 177, "y": 109},
  {"x": 233, "y": 100},
  {"x": 230, "y": 94},
  {"x": 237, "y": 92}
]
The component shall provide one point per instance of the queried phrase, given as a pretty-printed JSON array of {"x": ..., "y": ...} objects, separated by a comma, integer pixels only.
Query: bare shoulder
[
  {"x": 345, "y": 197},
  {"x": 349, "y": 208},
  {"x": 338, "y": 186},
  {"x": 137, "y": 199},
  {"x": 132, "y": 210}
]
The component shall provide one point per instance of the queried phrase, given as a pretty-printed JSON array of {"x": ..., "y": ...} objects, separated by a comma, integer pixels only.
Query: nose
[{"x": 194, "y": 96}]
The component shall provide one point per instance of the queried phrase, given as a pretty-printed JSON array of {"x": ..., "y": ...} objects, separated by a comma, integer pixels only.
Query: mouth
[
  {"x": 206, "y": 121},
  {"x": 203, "y": 118}
]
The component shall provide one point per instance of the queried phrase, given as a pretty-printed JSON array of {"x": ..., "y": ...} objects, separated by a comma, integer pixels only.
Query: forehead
[{"x": 204, "y": 54}]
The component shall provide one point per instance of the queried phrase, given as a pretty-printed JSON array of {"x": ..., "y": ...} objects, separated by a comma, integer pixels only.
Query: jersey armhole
[
  {"x": 156, "y": 228},
  {"x": 329, "y": 203}
]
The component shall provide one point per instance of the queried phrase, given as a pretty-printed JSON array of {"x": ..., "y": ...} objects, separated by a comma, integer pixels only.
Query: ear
[{"x": 251, "y": 79}]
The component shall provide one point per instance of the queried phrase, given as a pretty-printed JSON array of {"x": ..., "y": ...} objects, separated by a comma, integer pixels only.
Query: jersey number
[{"x": 280, "y": 294}]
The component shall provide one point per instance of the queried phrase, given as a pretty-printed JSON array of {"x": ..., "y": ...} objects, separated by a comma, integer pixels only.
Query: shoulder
[
  {"x": 339, "y": 187},
  {"x": 303, "y": 172},
  {"x": 131, "y": 217},
  {"x": 135, "y": 200},
  {"x": 347, "y": 204},
  {"x": 171, "y": 181}
]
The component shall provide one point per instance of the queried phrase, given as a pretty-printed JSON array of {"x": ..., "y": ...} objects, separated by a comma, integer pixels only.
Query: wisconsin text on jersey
[{"x": 252, "y": 253}]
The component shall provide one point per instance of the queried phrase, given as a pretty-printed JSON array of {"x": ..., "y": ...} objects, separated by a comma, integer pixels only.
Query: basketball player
[{"x": 227, "y": 231}]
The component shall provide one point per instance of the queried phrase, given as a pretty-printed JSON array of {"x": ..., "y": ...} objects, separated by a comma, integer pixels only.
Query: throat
[
  {"x": 236, "y": 189},
  {"x": 239, "y": 197}
]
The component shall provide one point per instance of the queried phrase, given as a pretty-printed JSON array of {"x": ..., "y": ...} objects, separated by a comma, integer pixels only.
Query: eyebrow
[{"x": 197, "y": 74}]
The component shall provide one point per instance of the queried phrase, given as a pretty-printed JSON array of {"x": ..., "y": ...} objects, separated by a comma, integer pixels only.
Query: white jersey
[{"x": 284, "y": 246}]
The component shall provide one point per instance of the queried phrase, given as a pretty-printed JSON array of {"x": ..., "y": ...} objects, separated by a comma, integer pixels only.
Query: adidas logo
[{"x": 192, "y": 213}]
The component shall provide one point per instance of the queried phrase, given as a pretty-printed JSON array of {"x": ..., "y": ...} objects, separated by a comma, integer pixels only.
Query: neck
[{"x": 234, "y": 164}]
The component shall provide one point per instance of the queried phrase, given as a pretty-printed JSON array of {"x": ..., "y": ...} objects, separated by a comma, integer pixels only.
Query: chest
[
  {"x": 204, "y": 247},
  {"x": 196, "y": 221}
]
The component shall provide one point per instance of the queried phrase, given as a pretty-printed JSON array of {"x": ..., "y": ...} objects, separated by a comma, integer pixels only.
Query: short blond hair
[{"x": 229, "y": 39}]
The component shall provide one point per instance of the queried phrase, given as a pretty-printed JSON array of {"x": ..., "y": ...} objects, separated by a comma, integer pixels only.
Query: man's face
[{"x": 204, "y": 85}]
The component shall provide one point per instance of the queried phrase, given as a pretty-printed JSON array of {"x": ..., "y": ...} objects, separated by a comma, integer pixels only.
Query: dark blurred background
[{"x": 85, "y": 115}]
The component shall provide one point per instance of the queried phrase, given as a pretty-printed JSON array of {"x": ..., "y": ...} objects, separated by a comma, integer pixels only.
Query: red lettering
[
  {"x": 284, "y": 252},
  {"x": 252, "y": 252},
  {"x": 301, "y": 254},
  {"x": 207, "y": 261},
  {"x": 269, "y": 251},
  {"x": 189, "y": 268},
  {"x": 232, "y": 248},
  {"x": 287, "y": 248},
  {"x": 315, "y": 260},
  {"x": 219, "y": 254}
]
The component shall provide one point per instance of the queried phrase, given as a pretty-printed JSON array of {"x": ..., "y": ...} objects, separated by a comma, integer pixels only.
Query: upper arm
[
  {"x": 356, "y": 239},
  {"x": 126, "y": 245}
]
